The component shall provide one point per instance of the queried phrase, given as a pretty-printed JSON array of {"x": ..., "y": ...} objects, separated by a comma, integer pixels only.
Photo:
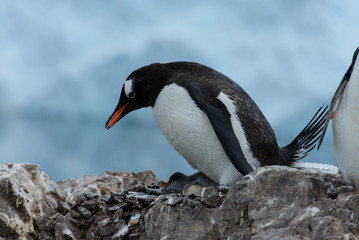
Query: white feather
[
  {"x": 128, "y": 86},
  {"x": 346, "y": 130},
  {"x": 190, "y": 132}
]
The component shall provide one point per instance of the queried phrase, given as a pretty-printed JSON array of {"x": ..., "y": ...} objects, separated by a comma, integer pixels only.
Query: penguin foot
[{"x": 179, "y": 182}]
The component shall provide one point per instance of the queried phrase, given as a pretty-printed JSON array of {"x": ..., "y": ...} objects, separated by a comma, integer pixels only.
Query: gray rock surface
[
  {"x": 309, "y": 201},
  {"x": 25, "y": 192}
]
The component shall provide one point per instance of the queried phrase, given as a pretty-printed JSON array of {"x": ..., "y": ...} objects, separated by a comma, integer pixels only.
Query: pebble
[
  {"x": 173, "y": 200},
  {"x": 141, "y": 197},
  {"x": 90, "y": 205},
  {"x": 39, "y": 222},
  {"x": 191, "y": 203},
  {"x": 106, "y": 198},
  {"x": 118, "y": 215},
  {"x": 91, "y": 195},
  {"x": 117, "y": 198},
  {"x": 80, "y": 199},
  {"x": 345, "y": 189},
  {"x": 154, "y": 190},
  {"x": 84, "y": 213},
  {"x": 63, "y": 208},
  {"x": 223, "y": 189},
  {"x": 332, "y": 192},
  {"x": 193, "y": 190},
  {"x": 210, "y": 197},
  {"x": 114, "y": 208},
  {"x": 134, "y": 219}
]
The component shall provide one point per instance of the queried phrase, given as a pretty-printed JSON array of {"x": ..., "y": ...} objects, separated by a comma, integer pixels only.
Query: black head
[{"x": 140, "y": 89}]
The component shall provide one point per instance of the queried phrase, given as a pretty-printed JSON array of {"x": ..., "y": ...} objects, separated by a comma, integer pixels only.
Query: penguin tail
[{"x": 306, "y": 140}]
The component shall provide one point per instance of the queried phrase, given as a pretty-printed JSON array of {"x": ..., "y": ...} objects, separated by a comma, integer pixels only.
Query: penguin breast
[
  {"x": 189, "y": 130},
  {"x": 346, "y": 131}
]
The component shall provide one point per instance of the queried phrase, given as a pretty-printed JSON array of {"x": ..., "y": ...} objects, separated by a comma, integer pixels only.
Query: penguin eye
[{"x": 131, "y": 94}]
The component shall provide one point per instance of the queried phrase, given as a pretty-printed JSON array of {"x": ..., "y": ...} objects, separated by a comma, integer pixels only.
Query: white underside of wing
[{"x": 238, "y": 130}]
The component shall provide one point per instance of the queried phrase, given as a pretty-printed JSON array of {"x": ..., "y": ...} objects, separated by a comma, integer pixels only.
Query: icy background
[{"x": 63, "y": 63}]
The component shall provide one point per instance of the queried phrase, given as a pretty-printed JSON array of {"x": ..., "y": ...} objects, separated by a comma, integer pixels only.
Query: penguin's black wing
[
  {"x": 220, "y": 119},
  {"x": 338, "y": 93}
]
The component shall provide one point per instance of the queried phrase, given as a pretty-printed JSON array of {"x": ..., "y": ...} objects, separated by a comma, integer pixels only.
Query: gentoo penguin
[
  {"x": 345, "y": 123},
  {"x": 210, "y": 120}
]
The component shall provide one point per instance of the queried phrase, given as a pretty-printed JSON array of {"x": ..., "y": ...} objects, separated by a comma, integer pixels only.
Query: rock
[
  {"x": 193, "y": 190},
  {"x": 276, "y": 202},
  {"x": 91, "y": 195},
  {"x": 26, "y": 192},
  {"x": 63, "y": 208},
  {"x": 84, "y": 213},
  {"x": 173, "y": 200},
  {"x": 90, "y": 205},
  {"x": 309, "y": 201},
  {"x": 210, "y": 197},
  {"x": 117, "y": 216},
  {"x": 105, "y": 183}
]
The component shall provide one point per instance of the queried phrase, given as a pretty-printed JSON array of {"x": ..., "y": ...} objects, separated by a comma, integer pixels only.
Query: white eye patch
[{"x": 128, "y": 87}]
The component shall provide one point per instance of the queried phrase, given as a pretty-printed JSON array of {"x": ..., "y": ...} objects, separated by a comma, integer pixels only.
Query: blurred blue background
[{"x": 63, "y": 63}]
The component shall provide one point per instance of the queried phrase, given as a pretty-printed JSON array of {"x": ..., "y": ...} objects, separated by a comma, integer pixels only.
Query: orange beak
[
  {"x": 115, "y": 117},
  {"x": 331, "y": 116}
]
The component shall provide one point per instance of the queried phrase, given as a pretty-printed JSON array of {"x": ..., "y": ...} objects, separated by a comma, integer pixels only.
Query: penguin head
[{"x": 140, "y": 89}]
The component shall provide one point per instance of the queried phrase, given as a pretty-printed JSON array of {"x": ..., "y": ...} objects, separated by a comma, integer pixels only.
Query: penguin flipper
[
  {"x": 337, "y": 95},
  {"x": 220, "y": 119}
]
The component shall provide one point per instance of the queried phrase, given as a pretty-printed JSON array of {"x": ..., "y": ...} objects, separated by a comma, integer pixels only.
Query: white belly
[
  {"x": 190, "y": 132},
  {"x": 346, "y": 131}
]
